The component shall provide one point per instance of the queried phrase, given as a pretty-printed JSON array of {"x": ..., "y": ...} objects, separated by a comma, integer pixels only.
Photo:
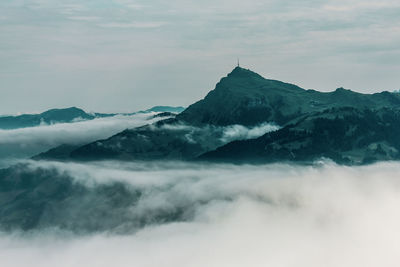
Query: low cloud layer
[
  {"x": 26, "y": 142},
  {"x": 271, "y": 215},
  {"x": 224, "y": 134}
]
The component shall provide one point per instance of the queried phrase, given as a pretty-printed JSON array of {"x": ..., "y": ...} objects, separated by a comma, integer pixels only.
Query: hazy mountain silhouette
[
  {"x": 68, "y": 115},
  {"x": 48, "y": 117}
]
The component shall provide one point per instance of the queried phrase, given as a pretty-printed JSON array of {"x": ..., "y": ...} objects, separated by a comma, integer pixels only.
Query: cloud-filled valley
[
  {"x": 176, "y": 213},
  {"x": 142, "y": 190},
  {"x": 211, "y": 215},
  {"x": 274, "y": 168},
  {"x": 26, "y": 142}
]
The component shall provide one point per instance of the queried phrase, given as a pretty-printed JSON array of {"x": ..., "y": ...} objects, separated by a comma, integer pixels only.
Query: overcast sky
[{"x": 126, "y": 55}]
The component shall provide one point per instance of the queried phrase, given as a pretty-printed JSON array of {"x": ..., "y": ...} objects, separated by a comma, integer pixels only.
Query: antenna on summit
[{"x": 238, "y": 62}]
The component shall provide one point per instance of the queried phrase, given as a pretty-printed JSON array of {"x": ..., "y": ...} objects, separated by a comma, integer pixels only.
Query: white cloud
[
  {"x": 240, "y": 132},
  {"x": 271, "y": 215},
  {"x": 69, "y": 9},
  {"x": 30, "y": 141},
  {"x": 27, "y": 142},
  {"x": 345, "y": 6},
  {"x": 75, "y": 132},
  {"x": 212, "y": 136},
  {"x": 136, "y": 5},
  {"x": 140, "y": 25},
  {"x": 84, "y": 18}
]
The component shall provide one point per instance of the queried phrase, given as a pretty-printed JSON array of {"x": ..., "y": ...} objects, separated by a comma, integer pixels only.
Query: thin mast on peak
[{"x": 238, "y": 62}]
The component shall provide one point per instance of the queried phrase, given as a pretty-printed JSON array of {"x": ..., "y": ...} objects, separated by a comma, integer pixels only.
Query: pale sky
[{"x": 126, "y": 55}]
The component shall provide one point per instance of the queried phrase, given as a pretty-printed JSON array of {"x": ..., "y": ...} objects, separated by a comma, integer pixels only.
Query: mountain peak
[
  {"x": 239, "y": 72},
  {"x": 70, "y": 110}
]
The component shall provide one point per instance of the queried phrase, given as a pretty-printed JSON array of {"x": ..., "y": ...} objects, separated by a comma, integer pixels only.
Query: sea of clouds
[
  {"x": 191, "y": 214},
  {"x": 240, "y": 215}
]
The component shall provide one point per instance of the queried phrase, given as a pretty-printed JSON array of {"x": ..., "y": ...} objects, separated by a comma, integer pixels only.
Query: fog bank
[
  {"x": 271, "y": 215},
  {"x": 26, "y": 142}
]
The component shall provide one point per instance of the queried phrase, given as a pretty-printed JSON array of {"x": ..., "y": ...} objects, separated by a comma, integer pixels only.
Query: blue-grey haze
[{"x": 126, "y": 55}]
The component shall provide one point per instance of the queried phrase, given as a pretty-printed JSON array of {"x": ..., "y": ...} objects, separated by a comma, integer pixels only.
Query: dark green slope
[
  {"x": 345, "y": 135},
  {"x": 61, "y": 152},
  {"x": 166, "y": 139},
  {"x": 244, "y": 97}
]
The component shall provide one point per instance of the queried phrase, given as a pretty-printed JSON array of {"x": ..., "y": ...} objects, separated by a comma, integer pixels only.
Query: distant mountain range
[
  {"x": 67, "y": 115},
  {"x": 345, "y": 126}
]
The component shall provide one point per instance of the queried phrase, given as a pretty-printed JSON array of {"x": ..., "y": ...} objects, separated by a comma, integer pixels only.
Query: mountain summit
[
  {"x": 239, "y": 72},
  {"x": 244, "y": 97}
]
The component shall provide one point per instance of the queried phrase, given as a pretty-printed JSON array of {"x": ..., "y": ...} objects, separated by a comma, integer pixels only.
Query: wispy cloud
[
  {"x": 133, "y": 4},
  {"x": 240, "y": 132},
  {"x": 287, "y": 40},
  {"x": 26, "y": 142},
  {"x": 140, "y": 25},
  {"x": 84, "y": 18},
  {"x": 70, "y": 9}
]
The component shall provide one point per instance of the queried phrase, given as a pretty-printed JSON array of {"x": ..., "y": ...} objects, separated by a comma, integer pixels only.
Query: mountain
[
  {"x": 166, "y": 109},
  {"x": 167, "y": 139},
  {"x": 48, "y": 117},
  {"x": 343, "y": 125},
  {"x": 71, "y": 114},
  {"x": 345, "y": 135},
  {"x": 61, "y": 152},
  {"x": 246, "y": 98}
]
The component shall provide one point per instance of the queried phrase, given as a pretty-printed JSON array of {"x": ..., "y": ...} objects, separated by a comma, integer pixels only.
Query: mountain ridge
[
  {"x": 245, "y": 98},
  {"x": 68, "y": 115},
  {"x": 250, "y": 99}
]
